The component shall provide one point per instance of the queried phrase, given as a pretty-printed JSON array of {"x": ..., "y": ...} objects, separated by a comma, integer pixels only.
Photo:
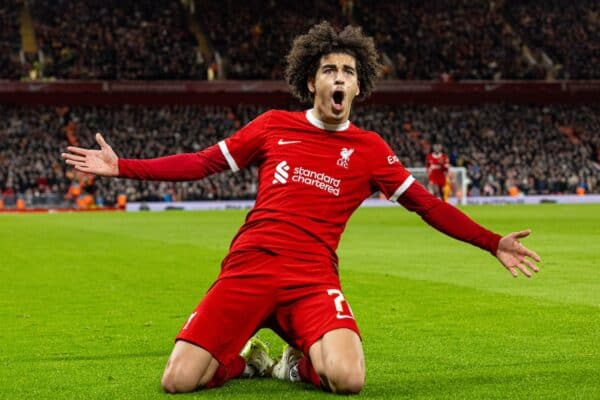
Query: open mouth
[{"x": 338, "y": 100}]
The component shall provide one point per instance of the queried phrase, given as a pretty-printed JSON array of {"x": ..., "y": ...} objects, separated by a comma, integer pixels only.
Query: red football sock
[
  {"x": 227, "y": 372},
  {"x": 308, "y": 374}
]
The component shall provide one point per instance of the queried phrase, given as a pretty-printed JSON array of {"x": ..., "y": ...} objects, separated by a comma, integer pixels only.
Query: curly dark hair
[{"x": 307, "y": 50}]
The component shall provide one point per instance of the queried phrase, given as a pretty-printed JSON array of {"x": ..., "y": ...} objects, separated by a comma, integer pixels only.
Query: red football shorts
[
  {"x": 299, "y": 300},
  {"x": 439, "y": 180}
]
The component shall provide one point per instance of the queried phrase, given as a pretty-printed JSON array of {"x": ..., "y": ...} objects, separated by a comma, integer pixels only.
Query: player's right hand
[
  {"x": 514, "y": 256},
  {"x": 100, "y": 162}
]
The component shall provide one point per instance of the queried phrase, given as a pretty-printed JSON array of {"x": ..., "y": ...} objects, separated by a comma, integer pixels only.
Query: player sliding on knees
[{"x": 281, "y": 271}]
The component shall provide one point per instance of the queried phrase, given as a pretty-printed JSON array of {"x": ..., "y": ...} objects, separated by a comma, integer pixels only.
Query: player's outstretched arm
[
  {"x": 99, "y": 162},
  {"x": 516, "y": 257},
  {"x": 450, "y": 220},
  {"x": 177, "y": 167}
]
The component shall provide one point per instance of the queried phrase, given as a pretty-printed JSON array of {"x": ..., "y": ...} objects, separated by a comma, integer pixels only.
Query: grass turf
[{"x": 90, "y": 304}]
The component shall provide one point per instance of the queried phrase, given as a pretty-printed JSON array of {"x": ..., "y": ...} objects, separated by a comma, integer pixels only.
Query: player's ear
[
  {"x": 311, "y": 85},
  {"x": 357, "y": 88}
]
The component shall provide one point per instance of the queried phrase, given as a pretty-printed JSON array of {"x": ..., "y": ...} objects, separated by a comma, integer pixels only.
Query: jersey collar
[{"x": 322, "y": 125}]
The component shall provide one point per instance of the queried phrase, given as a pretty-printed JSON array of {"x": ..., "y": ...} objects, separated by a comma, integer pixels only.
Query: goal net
[{"x": 456, "y": 186}]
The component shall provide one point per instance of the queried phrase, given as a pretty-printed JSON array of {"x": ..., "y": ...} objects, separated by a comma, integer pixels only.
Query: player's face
[{"x": 335, "y": 85}]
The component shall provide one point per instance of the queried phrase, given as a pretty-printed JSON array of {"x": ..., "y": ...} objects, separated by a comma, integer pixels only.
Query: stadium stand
[
  {"x": 538, "y": 149},
  {"x": 256, "y": 44},
  {"x": 452, "y": 40},
  {"x": 10, "y": 67},
  {"x": 97, "y": 39},
  {"x": 502, "y": 146},
  {"x": 569, "y": 31},
  {"x": 458, "y": 39}
]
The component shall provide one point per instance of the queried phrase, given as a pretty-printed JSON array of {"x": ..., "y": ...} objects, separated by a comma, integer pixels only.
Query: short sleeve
[
  {"x": 245, "y": 146},
  {"x": 388, "y": 175}
]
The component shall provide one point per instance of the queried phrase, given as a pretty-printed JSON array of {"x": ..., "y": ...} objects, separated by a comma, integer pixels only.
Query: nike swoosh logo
[{"x": 281, "y": 141}]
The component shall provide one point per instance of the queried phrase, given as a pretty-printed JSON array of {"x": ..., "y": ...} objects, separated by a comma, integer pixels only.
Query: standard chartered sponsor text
[{"x": 317, "y": 179}]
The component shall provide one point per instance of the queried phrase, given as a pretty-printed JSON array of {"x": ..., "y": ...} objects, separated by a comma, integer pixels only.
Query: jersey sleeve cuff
[
  {"x": 124, "y": 170},
  {"x": 494, "y": 243}
]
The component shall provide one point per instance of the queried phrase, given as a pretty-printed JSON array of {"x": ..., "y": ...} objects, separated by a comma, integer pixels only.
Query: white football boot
[
  {"x": 256, "y": 354},
  {"x": 287, "y": 367}
]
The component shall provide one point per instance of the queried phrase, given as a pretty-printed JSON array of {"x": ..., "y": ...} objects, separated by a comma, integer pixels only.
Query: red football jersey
[
  {"x": 312, "y": 177},
  {"x": 437, "y": 167}
]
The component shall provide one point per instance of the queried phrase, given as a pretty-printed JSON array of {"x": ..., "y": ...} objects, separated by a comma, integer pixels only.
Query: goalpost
[{"x": 458, "y": 181}]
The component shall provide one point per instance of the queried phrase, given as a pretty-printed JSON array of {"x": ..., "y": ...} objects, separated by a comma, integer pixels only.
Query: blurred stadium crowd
[
  {"x": 166, "y": 39},
  {"x": 113, "y": 39},
  {"x": 537, "y": 149}
]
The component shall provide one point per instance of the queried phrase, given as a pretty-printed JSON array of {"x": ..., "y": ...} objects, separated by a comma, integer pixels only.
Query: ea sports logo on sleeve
[{"x": 281, "y": 173}]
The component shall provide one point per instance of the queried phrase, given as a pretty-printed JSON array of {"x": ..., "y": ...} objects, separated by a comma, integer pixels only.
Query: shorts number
[{"x": 339, "y": 301}]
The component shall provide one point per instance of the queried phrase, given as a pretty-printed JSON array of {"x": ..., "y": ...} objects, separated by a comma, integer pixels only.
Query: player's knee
[
  {"x": 346, "y": 378},
  {"x": 177, "y": 380},
  {"x": 348, "y": 383}
]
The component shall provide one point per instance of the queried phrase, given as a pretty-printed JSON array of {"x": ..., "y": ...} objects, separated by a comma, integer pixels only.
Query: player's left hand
[{"x": 513, "y": 255}]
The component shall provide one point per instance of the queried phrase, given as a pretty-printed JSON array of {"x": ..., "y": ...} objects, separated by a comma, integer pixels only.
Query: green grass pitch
[{"x": 90, "y": 303}]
